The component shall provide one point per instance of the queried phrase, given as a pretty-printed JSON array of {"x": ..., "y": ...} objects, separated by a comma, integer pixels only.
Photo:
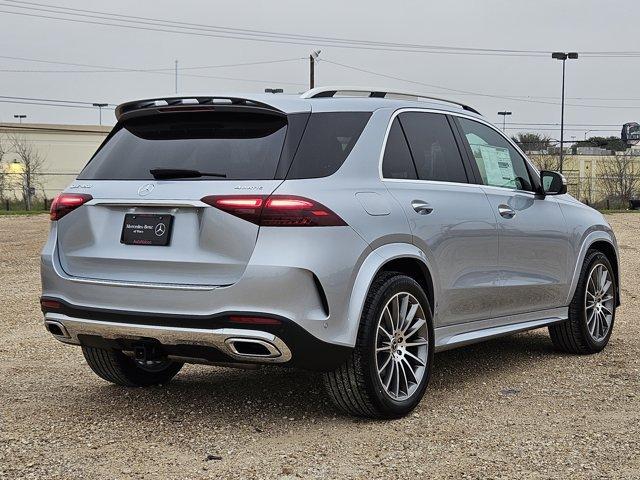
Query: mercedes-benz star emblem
[
  {"x": 160, "y": 229},
  {"x": 146, "y": 189}
]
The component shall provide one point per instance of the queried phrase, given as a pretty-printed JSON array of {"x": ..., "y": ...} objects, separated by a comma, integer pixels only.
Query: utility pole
[
  {"x": 313, "y": 56},
  {"x": 563, "y": 56},
  {"x": 20, "y": 117},
  {"x": 176, "y": 75},
  {"x": 100, "y": 105},
  {"x": 504, "y": 118}
]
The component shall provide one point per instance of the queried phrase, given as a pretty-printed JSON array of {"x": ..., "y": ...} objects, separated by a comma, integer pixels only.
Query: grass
[
  {"x": 608, "y": 212},
  {"x": 23, "y": 212}
]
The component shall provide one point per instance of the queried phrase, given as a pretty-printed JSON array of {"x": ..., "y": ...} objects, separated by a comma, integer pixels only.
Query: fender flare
[
  {"x": 368, "y": 271},
  {"x": 590, "y": 239}
]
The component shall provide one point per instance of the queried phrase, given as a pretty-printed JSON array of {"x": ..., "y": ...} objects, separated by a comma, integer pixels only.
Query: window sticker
[{"x": 498, "y": 167}]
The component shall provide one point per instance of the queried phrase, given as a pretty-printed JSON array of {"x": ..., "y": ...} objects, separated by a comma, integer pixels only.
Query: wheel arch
[
  {"x": 605, "y": 243},
  {"x": 609, "y": 250},
  {"x": 402, "y": 257}
]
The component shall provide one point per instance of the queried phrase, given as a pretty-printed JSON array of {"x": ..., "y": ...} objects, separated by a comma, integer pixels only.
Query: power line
[
  {"x": 155, "y": 24},
  {"x": 104, "y": 69},
  {"x": 45, "y": 104},
  {"x": 467, "y": 92},
  {"x": 168, "y": 71},
  {"x": 52, "y": 100}
]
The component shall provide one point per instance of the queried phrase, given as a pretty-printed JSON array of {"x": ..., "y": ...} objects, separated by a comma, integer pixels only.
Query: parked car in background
[{"x": 351, "y": 231}]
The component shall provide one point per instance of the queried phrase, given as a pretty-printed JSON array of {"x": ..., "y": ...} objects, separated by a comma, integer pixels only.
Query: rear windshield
[
  {"x": 326, "y": 143},
  {"x": 240, "y": 145}
]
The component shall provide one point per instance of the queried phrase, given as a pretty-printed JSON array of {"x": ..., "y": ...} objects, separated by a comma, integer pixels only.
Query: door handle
[
  {"x": 422, "y": 208},
  {"x": 506, "y": 211}
]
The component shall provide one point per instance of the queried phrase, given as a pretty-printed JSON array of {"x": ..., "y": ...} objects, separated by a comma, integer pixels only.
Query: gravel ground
[{"x": 509, "y": 408}]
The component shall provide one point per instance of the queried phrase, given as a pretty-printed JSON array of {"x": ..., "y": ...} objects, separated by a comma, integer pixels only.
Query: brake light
[
  {"x": 276, "y": 210},
  {"x": 67, "y": 202}
]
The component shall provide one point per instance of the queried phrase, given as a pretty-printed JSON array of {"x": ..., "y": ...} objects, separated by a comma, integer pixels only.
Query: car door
[
  {"x": 450, "y": 219},
  {"x": 534, "y": 248}
]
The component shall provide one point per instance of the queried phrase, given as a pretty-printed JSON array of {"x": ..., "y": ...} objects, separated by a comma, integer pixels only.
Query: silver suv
[{"x": 349, "y": 231}]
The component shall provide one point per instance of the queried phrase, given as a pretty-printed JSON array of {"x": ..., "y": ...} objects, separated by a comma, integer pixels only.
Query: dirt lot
[{"x": 510, "y": 408}]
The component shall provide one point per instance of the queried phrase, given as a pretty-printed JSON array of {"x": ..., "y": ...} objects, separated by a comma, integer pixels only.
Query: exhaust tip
[
  {"x": 249, "y": 347},
  {"x": 56, "y": 329}
]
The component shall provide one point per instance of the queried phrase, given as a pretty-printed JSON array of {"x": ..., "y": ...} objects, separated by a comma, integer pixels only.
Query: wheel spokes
[{"x": 401, "y": 346}]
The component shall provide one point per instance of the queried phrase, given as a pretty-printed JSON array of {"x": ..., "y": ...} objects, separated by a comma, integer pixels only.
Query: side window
[
  {"x": 433, "y": 147},
  {"x": 499, "y": 163},
  {"x": 397, "y": 161}
]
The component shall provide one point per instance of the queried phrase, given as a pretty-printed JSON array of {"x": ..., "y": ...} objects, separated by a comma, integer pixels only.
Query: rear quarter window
[{"x": 327, "y": 141}]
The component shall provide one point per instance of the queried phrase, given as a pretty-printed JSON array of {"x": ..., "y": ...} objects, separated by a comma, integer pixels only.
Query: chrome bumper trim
[{"x": 216, "y": 338}]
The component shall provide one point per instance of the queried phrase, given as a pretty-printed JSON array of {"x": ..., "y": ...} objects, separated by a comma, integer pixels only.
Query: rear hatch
[{"x": 245, "y": 152}]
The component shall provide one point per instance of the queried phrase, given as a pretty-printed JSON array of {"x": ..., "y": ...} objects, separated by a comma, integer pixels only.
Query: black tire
[
  {"x": 116, "y": 367},
  {"x": 355, "y": 387},
  {"x": 573, "y": 336}
]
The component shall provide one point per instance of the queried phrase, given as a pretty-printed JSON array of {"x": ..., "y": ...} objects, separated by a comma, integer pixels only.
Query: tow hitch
[{"x": 147, "y": 353}]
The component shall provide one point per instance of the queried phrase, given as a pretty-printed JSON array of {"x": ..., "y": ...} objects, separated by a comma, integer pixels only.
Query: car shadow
[{"x": 209, "y": 392}]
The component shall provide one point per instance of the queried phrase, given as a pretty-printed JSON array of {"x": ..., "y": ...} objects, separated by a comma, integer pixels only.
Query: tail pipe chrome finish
[{"x": 252, "y": 347}]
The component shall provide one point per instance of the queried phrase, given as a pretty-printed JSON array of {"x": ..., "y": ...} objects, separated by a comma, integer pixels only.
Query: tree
[
  {"x": 546, "y": 162},
  {"x": 532, "y": 142},
  {"x": 619, "y": 178},
  {"x": 32, "y": 163},
  {"x": 4, "y": 178},
  {"x": 608, "y": 143}
]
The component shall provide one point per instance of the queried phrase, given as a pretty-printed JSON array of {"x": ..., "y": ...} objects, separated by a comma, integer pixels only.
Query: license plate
[{"x": 146, "y": 229}]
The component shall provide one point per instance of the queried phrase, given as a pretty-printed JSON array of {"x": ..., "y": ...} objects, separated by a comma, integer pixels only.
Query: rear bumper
[
  {"x": 305, "y": 277},
  {"x": 206, "y": 338}
]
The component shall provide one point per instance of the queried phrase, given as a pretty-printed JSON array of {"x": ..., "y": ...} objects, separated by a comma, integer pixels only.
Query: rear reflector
[
  {"x": 254, "y": 320},
  {"x": 50, "y": 304},
  {"x": 276, "y": 210},
  {"x": 67, "y": 202}
]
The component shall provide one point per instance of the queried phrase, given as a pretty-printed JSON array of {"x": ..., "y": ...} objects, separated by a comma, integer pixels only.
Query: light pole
[
  {"x": 504, "y": 118},
  {"x": 100, "y": 105},
  {"x": 313, "y": 57},
  {"x": 563, "y": 56},
  {"x": 585, "y": 133},
  {"x": 20, "y": 117}
]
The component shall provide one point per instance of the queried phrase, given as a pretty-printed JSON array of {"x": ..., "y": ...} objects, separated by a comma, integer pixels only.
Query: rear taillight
[
  {"x": 67, "y": 202},
  {"x": 276, "y": 210}
]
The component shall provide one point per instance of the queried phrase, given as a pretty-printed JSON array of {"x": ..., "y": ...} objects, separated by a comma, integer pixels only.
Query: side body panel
[
  {"x": 460, "y": 240},
  {"x": 535, "y": 252}
]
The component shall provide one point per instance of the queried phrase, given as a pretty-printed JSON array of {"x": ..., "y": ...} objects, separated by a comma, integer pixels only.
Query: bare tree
[
  {"x": 32, "y": 163},
  {"x": 546, "y": 162},
  {"x": 620, "y": 178},
  {"x": 4, "y": 178}
]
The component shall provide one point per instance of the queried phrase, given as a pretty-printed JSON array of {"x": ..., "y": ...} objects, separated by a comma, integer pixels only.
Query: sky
[{"x": 601, "y": 90}]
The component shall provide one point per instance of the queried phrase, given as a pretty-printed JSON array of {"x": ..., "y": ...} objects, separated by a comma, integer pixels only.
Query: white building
[{"x": 65, "y": 149}]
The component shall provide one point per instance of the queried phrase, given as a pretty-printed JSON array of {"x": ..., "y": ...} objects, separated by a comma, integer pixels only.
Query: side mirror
[{"x": 553, "y": 183}]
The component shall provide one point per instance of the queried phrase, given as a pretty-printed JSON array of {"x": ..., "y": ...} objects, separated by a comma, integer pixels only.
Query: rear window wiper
[{"x": 166, "y": 173}]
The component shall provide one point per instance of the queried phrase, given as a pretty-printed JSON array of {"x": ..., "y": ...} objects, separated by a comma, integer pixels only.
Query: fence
[{"x": 604, "y": 181}]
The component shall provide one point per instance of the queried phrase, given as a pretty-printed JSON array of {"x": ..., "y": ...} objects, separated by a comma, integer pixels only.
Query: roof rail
[
  {"x": 171, "y": 104},
  {"x": 321, "y": 92}
]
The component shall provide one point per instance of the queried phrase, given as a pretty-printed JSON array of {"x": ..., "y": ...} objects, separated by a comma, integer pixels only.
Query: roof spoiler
[{"x": 184, "y": 104}]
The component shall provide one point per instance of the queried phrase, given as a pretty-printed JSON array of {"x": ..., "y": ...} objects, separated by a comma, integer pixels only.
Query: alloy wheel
[
  {"x": 599, "y": 302},
  {"x": 402, "y": 346}
]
